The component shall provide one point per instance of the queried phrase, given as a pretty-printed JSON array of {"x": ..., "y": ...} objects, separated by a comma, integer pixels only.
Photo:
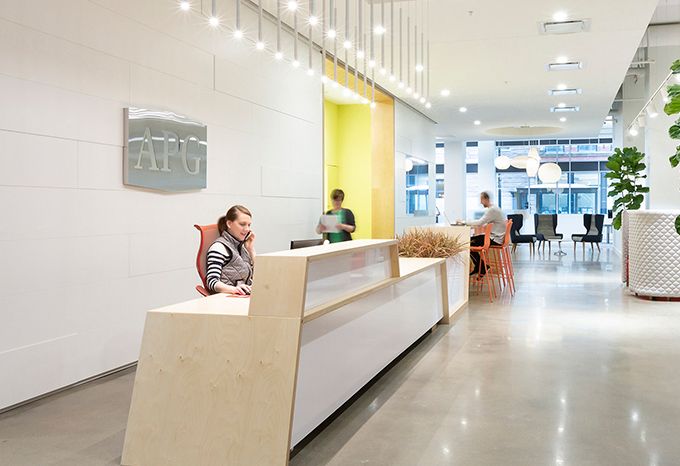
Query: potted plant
[
  {"x": 672, "y": 107},
  {"x": 626, "y": 166},
  {"x": 421, "y": 242}
]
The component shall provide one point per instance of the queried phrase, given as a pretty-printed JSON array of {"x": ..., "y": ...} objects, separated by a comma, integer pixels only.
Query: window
[
  {"x": 581, "y": 189},
  {"x": 417, "y": 188}
]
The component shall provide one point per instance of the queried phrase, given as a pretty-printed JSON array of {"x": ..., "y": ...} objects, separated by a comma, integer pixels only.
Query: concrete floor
[{"x": 571, "y": 371}]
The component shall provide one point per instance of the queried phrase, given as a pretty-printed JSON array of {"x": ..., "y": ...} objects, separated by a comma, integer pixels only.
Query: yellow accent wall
[
  {"x": 359, "y": 159},
  {"x": 354, "y": 167}
]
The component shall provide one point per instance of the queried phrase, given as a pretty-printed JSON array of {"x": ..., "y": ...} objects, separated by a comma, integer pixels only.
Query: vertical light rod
[
  {"x": 391, "y": 39},
  {"x": 401, "y": 46},
  {"x": 278, "y": 26},
  {"x": 382, "y": 36},
  {"x": 370, "y": 33},
  {"x": 259, "y": 20}
]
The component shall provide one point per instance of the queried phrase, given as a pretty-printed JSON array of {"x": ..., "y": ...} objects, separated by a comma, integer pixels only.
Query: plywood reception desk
[{"x": 225, "y": 380}]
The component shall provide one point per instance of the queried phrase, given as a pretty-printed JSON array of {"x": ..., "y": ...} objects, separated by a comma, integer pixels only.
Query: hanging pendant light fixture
[{"x": 381, "y": 62}]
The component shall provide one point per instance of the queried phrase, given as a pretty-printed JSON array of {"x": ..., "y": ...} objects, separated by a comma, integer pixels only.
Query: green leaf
[
  {"x": 672, "y": 107},
  {"x": 644, "y": 189},
  {"x": 673, "y": 90},
  {"x": 677, "y": 224},
  {"x": 674, "y": 131},
  {"x": 616, "y": 223},
  {"x": 675, "y": 67},
  {"x": 675, "y": 160},
  {"x": 614, "y": 165}
]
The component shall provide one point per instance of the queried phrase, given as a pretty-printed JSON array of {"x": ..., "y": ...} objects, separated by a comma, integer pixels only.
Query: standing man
[{"x": 493, "y": 215}]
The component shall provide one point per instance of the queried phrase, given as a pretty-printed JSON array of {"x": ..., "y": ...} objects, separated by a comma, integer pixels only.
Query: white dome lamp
[
  {"x": 549, "y": 173},
  {"x": 533, "y": 154},
  {"x": 502, "y": 162},
  {"x": 408, "y": 164},
  {"x": 532, "y": 167},
  {"x": 519, "y": 162}
]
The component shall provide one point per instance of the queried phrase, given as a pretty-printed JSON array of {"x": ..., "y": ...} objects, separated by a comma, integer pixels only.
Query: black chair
[
  {"x": 516, "y": 237},
  {"x": 546, "y": 231},
  {"x": 305, "y": 243},
  {"x": 593, "y": 231}
]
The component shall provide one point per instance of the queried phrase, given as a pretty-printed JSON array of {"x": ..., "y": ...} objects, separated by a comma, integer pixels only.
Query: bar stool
[
  {"x": 503, "y": 259},
  {"x": 484, "y": 262}
]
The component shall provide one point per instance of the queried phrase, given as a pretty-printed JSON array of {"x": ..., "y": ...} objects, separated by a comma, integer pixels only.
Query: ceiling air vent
[
  {"x": 574, "y": 108},
  {"x": 564, "y": 27}
]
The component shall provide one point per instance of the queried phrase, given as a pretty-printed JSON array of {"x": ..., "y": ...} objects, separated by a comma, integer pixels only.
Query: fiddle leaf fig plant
[
  {"x": 672, "y": 108},
  {"x": 626, "y": 167}
]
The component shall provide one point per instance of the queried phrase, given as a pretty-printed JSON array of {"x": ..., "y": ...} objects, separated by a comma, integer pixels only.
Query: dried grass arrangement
[{"x": 429, "y": 243}]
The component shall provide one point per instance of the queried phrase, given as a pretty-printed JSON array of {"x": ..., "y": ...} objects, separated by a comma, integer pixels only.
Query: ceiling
[{"x": 493, "y": 59}]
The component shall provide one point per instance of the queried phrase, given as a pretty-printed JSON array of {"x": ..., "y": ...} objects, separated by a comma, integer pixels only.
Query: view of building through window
[{"x": 582, "y": 188}]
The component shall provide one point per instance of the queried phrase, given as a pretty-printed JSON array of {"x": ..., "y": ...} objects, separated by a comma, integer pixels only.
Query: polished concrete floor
[{"x": 571, "y": 371}]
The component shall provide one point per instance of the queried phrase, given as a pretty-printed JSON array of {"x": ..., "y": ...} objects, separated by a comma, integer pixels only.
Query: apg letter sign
[{"x": 164, "y": 151}]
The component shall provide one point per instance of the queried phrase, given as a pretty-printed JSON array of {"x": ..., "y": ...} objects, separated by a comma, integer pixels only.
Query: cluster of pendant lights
[
  {"x": 650, "y": 109},
  {"x": 362, "y": 41},
  {"x": 547, "y": 172}
]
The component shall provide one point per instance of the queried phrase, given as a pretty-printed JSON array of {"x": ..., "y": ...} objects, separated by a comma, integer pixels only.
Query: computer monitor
[{"x": 305, "y": 243}]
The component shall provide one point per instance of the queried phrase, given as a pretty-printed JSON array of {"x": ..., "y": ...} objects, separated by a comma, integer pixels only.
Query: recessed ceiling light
[
  {"x": 573, "y": 108},
  {"x": 477, "y": 122},
  {"x": 185, "y": 6},
  {"x": 570, "y": 65},
  {"x": 564, "y": 91},
  {"x": 259, "y": 45},
  {"x": 428, "y": 105},
  {"x": 214, "y": 21},
  {"x": 560, "y": 16},
  {"x": 292, "y": 5},
  {"x": 379, "y": 30},
  {"x": 462, "y": 109},
  {"x": 313, "y": 20},
  {"x": 563, "y": 119},
  {"x": 445, "y": 93}
]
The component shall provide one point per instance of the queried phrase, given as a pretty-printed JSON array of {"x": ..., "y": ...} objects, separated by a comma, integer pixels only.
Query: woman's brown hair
[{"x": 232, "y": 214}]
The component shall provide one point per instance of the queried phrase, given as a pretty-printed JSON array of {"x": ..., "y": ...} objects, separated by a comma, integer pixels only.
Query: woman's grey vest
[{"x": 238, "y": 269}]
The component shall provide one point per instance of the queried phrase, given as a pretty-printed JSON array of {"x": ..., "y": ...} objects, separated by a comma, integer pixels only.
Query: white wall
[
  {"x": 413, "y": 136},
  {"x": 83, "y": 257},
  {"x": 664, "y": 181}
]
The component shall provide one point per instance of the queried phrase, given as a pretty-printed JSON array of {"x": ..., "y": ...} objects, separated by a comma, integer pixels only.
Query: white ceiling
[
  {"x": 494, "y": 62},
  {"x": 493, "y": 59}
]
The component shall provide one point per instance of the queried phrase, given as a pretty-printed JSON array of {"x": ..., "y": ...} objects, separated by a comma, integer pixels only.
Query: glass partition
[{"x": 336, "y": 276}]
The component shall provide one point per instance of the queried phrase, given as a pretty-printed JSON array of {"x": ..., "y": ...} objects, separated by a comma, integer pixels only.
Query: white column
[
  {"x": 454, "y": 180},
  {"x": 486, "y": 169},
  {"x": 663, "y": 180}
]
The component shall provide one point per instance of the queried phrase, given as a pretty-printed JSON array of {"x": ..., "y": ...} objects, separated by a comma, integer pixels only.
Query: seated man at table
[{"x": 493, "y": 215}]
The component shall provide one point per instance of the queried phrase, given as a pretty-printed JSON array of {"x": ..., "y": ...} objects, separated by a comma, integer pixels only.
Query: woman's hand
[
  {"x": 345, "y": 227},
  {"x": 242, "y": 289}
]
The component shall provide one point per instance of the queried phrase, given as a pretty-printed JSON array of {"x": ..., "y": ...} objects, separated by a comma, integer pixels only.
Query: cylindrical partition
[{"x": 654, "y": 253}]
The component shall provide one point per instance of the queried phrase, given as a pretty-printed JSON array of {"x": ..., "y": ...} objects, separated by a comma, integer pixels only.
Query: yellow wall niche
[{"x": 359, "y": 159}]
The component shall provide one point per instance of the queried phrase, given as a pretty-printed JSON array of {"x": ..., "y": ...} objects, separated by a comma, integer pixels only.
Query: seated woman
[{"x": 230, "y": 258}]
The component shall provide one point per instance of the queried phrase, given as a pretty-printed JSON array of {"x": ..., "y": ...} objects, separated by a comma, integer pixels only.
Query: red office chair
[{"x": 209, "y": 234}]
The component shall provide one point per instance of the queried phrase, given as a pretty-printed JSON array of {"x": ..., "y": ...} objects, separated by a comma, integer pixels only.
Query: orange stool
[
  {"x": 503, "y": 259},
  {"x": 484, "y": 262}
]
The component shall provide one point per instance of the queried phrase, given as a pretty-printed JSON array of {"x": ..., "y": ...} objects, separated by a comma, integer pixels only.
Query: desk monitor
[{"x": 305, "y": 243}]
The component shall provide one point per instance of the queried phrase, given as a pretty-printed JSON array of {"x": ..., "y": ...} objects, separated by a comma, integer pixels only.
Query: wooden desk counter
[{"x": 240, "y": 381}]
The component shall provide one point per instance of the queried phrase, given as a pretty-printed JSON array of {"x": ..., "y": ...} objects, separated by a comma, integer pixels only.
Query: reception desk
[
  {"x": 457, "y": 267},
  {"x": 240, "y": 381}
]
